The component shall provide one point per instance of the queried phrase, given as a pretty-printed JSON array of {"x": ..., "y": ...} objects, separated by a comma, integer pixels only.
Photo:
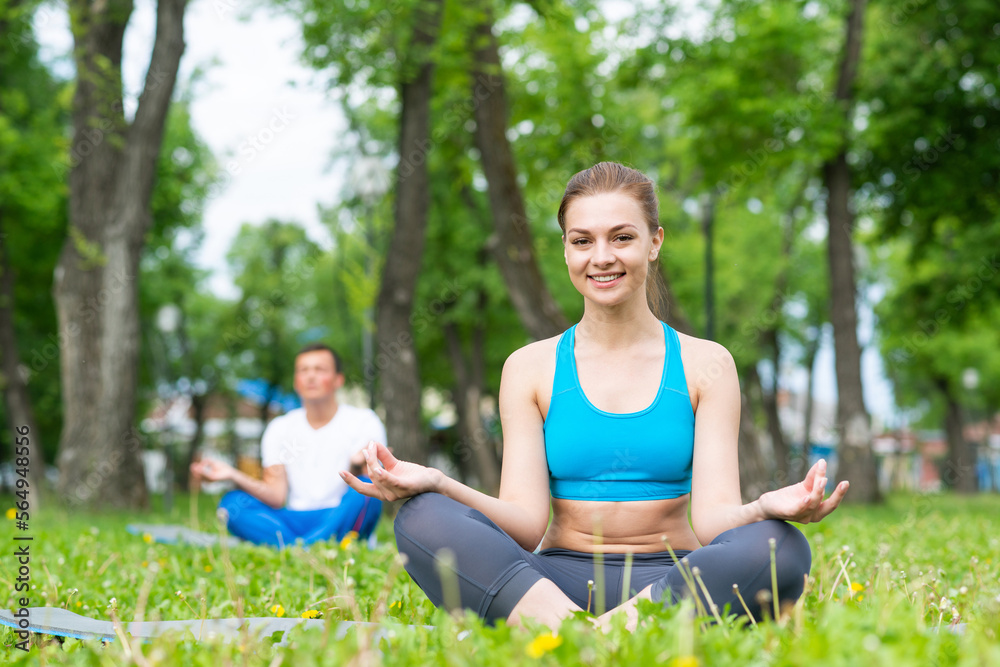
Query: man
[{"x": 301, "y": 495}]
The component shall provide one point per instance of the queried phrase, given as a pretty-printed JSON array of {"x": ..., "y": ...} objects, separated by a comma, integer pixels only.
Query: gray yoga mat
[
  {"x": 64, "y": 623},
  {"x": 174, "y": 534}
]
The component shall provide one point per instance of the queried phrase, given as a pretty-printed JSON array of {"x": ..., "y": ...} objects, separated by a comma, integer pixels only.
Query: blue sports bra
[{"x": 598, "y": 455}]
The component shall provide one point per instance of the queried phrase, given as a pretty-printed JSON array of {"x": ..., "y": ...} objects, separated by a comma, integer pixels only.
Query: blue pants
[
  {"x": 252, "y": 520},
  {"x": 491, "y": 572}
]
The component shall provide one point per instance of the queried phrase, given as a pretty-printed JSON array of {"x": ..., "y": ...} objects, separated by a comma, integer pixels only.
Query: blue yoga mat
[{"x": 64, "y": 623}]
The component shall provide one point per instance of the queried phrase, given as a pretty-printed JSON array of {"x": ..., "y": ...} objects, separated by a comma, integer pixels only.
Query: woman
[{"x": 620, "y": 423}]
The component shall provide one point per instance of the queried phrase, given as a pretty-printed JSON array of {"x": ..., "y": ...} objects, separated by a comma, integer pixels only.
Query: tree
[
  {"x": 111, "y": 168},
  {"x": 931, "y": 171},
  {"x": 929, "y": 351},
  {"x": 513, "y": 248},
  {"x": 397, "y": 58},
  {"x": 32, "y": 204},
  {"x": 397, "y": 360},
  {"x": 856, "y": 461}
]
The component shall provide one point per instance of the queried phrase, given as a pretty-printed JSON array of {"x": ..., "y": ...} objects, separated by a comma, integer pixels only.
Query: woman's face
[{"x": 608, "y": 245}]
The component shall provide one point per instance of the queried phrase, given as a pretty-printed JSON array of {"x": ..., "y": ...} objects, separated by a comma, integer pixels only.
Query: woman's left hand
[{"x": 803, "y": 502}]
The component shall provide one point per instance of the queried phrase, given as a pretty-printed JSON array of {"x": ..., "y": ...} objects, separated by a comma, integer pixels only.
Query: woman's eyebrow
[{"x": 616, "y": 228}]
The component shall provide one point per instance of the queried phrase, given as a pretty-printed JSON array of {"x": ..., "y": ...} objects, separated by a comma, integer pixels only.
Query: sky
[{"x": 273, "y": 127}]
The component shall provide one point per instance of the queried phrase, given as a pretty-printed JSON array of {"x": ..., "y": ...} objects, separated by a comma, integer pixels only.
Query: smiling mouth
[{"x": 607, "y": 279}]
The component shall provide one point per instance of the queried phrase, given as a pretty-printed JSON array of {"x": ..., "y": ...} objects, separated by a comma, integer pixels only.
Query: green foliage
[
  {"x": 33, "y": 113},
  {"x": 274, "y": 264},
  {"x": 931, "y": 171},
  {"x": 887, "y": 594}
]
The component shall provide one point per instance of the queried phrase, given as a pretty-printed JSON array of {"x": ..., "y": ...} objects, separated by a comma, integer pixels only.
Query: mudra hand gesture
[
  {"x": 803, "y": 502},
  {"x": 392, "y": 479}
]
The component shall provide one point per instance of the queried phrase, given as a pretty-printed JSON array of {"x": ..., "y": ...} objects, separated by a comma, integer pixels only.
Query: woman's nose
[{"x": 603, "y": 253}]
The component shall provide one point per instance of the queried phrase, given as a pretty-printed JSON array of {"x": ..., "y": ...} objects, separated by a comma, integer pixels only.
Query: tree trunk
[
  {"x": 854, "y": 452},
  {"x": 707, "y": 224},
  {"x": 960, "y": 469},
  {"x": 198, "y": 404},
  {"x": 513, "y": 246},
  {"x": 782, "y": 456},
  {"x": 112, "y": 170},
  {"x": 753, "y": 470},
  {"x": 769, "y": 401},
  {"x": 396, "y": 359},
  {"x": 811, "y": 351},
  {"x": 17, "y": 402},
  {"x": 469, "y": 381}
]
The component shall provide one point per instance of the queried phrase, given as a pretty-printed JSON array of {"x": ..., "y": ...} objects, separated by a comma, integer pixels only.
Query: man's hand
[{"x": 212, "y": 470}]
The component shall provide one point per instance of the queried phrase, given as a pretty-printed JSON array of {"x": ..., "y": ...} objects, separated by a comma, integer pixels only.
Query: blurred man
[{"x": 301, "y": 495}]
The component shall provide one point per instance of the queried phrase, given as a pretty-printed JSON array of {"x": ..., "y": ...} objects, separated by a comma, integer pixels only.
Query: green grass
[{"x": 887, "y": 584}]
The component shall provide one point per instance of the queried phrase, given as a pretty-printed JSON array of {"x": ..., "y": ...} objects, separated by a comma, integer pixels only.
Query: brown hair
[
  {"x": 318, "y": 347},
  {"x": 608, "y": 177}
]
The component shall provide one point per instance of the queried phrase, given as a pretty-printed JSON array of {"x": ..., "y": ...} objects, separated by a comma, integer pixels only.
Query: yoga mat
[
  {"x": 174, "y": 534},
  {"x": 64, "y": 623}
]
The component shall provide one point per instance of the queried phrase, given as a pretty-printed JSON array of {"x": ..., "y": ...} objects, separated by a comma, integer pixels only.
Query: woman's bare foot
[
  {"x": 545, "y": 603},
  {"x": 629, "y": 609}
]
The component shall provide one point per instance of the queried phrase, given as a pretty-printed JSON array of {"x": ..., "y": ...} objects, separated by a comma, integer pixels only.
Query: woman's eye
[{"x": 623, "y": 237}]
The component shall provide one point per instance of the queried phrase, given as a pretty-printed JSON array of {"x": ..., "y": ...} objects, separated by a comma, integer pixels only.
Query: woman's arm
[
  {"x": 716, "y": 505},
  {"x": 522, "y": 510}
]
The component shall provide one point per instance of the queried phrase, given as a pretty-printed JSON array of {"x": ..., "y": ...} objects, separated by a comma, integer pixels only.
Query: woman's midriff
[{"x": 638, "y": 526}]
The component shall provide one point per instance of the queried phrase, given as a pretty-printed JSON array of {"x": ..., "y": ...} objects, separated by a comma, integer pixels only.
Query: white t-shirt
[{"x": 313, "y": 458}]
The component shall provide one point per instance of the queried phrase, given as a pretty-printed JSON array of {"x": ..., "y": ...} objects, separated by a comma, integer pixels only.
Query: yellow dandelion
[
  {"x": 860, "y": 598},
  {"x": 11, "y": 513},
  {"x": 147, "y": 538},
  {"x": 145, "y": 563},
  {"x": 684, "y": 661},
  {"x": 310, "y": 613},
  {"x": 857, "y": 587},
  {"x": 542, "y": 644},
  {"x": 79, "y": 603},
  {"x": 208, "y": 568},
  {"x": 350, "y": 537},
  {"x": 398, "y": 604},
  {"x": 278, "y": 610}
]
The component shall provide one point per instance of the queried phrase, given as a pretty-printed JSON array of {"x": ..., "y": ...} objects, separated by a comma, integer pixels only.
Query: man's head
[{"x": 318, "y": 373}]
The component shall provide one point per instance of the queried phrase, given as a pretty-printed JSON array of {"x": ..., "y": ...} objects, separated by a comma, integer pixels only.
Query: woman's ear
[{"x": 654, "y": 251}]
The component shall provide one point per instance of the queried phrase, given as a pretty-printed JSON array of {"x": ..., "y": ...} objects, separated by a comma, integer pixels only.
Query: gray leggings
[{"x": 490, "y": 572}]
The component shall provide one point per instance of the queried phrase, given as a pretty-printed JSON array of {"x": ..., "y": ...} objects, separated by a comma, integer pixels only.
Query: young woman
[{"x": 621, "y": 425}]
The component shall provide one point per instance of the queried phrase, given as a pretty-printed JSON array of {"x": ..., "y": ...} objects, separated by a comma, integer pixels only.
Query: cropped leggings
[{"x": 487, "y": 572}]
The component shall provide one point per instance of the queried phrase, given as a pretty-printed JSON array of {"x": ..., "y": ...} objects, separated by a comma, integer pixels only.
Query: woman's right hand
[{"x": 392, "y": 479}]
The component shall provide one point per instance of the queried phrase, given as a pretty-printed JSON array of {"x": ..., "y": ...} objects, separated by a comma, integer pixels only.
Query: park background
[{"x": 827, "y": 174}]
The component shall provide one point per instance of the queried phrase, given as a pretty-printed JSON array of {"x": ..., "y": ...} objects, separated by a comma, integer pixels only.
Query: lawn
[{"x": 913, "y": 582}]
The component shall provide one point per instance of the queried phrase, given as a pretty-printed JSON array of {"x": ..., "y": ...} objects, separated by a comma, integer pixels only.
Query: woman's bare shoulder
[
  {"x": 528, "y": 373},
  {"x": 704, "y": 360},
  {"x": 533, "y": 356}
]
